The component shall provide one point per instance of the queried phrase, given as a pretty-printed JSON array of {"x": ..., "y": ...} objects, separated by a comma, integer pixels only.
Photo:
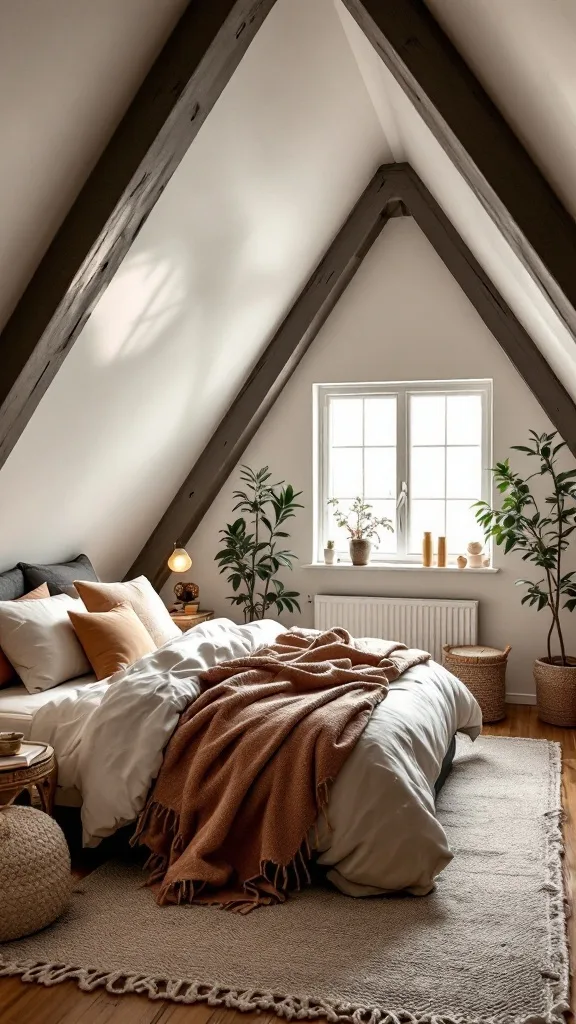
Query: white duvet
[{"x": 383, "y": 833}]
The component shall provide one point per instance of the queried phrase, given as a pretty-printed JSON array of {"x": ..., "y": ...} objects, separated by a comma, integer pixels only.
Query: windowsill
[{"x": 400, "y": 567}]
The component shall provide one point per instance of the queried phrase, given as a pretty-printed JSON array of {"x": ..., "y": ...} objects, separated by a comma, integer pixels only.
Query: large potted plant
[
  {"x": 541, "y": 531},
  {"x": 252, "y": 552},
  {"x": 361, "y": 525}
]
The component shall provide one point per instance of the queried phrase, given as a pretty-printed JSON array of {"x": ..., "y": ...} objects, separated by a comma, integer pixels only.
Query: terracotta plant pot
[
  {"x": 360, "y": 551},
  {"x": 556, "y": 691}
]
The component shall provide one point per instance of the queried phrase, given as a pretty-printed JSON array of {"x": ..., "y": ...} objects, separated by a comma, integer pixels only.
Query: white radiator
[{"x": 413, "y": 621}]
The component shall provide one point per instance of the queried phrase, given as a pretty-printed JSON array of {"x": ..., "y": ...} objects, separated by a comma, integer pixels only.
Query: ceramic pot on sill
[{"x": 360, "y": 549}]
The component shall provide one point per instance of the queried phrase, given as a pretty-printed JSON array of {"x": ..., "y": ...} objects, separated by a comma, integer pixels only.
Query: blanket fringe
[{"x": 270, "y": 886}]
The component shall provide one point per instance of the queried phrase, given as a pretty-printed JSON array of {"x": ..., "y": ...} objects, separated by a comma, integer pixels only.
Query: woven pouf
[{"x": 35, "y": 880}]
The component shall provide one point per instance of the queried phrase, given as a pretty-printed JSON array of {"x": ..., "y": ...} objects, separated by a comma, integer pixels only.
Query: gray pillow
[
  {"x": 60, "y": 576},
  {"x": 12, "y": 584}
]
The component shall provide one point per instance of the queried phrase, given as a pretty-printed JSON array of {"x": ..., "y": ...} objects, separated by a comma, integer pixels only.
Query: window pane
[
  {"x": 464, "y": 473},
  {"x": 425, "y": 515},
  {"x": 427, "y": 472},
  {"x": 346, "y": 421},
  {"x": 380, "y": 472},
  {"x": 464, "y": 419},
  {"x": 461, "y": 527},
  {"x": 338, "y": 534},
  {"x": 427, "y": 419},
  {"x": 388, "y": 541},
  {"x": 380, "y": 421},
  {"x": 346, "y": 466}
]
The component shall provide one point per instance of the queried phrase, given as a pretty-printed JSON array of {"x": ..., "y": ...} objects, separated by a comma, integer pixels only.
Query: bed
[{"x": 383, "y": 835}]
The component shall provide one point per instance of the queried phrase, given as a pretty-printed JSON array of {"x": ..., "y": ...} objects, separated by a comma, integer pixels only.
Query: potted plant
[
  {"x": 362, "y": 525},
  {"x": 541, "y": 534},
  {"x": 251, "y": 554},
  {"x": 329, "y": 552}
]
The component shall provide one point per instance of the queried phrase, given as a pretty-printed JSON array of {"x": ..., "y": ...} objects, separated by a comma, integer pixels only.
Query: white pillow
[{"x": 39, "y": 640}]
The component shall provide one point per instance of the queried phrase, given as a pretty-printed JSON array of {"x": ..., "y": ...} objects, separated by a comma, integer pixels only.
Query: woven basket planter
[
  {"x": 556, "y": 692},
  {"x": 483, "y": 671}
]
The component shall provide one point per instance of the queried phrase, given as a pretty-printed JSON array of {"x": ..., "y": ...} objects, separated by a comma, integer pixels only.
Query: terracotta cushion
[{"x": 112, "y": 640}]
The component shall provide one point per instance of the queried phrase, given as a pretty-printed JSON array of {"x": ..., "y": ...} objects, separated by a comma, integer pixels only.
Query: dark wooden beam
[
  {"x": 522, "y": 351},
  {"x": 269, "y": 376},
  {"x": 179, "y": 92},
  {"x": 479, "y": 142},
  {"x": 395, "y": 190}
]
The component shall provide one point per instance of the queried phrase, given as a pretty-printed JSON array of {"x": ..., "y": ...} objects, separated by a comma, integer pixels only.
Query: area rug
[{"x": 487, "y": 947}]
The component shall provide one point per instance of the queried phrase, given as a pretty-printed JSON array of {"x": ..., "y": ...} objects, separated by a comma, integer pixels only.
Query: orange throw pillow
[
  {"x": 7, "y": 673},
  {"x": 112, "y": 640}
]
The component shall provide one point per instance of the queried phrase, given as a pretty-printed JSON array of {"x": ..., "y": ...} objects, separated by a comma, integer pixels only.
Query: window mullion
[{"x": 402, "y": 468}]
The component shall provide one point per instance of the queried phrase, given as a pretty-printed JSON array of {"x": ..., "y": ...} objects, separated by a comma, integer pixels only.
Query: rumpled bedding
[{"x": 383, "y": 834}]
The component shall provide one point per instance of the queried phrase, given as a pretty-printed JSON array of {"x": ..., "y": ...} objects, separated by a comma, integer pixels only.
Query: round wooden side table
[{"x": 42, "y": 774}]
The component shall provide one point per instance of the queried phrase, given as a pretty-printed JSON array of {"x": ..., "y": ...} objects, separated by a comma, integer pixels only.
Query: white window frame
[{"x": 322, "y": 395}]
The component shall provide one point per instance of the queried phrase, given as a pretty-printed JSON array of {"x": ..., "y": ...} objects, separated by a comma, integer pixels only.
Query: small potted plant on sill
[
  {"x": 541, "y": 536},
  {"x": 329, "y": 552},
  {"x": 362, "y": 525}
]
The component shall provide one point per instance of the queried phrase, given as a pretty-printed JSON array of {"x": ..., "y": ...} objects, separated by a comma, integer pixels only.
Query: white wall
[
  {"x": 412, "y": 140},
  {"x": 68, "y": 70},
  {"x": 402, "y": 318},
  {"x": 272, "y": 175}
]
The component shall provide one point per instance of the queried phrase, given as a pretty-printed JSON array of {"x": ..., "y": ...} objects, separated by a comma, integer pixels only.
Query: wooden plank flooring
[{"x": 65, "y": 1004}]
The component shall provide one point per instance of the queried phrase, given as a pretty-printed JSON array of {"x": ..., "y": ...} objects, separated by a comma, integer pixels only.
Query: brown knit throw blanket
[{"x": 247, "y": 771}]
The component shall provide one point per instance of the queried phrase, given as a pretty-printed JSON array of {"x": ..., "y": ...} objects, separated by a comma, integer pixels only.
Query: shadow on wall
[{"x": 142, "y": 391}]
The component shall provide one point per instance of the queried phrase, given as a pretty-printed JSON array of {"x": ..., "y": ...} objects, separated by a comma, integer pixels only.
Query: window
[{"x": 418, "y": 452}]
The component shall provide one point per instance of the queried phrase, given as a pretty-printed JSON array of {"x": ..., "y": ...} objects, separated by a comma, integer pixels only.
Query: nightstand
[
  {"x": 41, "y": 774},
  {"x": 187, "y": 621}
]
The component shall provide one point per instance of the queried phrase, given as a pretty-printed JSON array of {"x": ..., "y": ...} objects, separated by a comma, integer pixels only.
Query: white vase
[{"x": 329, "y": 556}]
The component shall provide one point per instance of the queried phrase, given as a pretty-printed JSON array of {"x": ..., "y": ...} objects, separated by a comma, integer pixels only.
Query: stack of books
[{"x": 26, "y": 756}]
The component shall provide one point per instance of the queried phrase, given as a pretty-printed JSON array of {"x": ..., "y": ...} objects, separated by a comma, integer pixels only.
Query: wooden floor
[{"x": 65, "y": 1004}]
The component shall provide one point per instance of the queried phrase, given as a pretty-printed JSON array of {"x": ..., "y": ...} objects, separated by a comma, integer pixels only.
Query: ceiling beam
[
  {"x": 165, "y": 116},
  {"x": 512, "y": 337},
  {"x": 395, "y": 189},
  {"x": 269, "y": 376},
  {"x": 479, "y": 142}
]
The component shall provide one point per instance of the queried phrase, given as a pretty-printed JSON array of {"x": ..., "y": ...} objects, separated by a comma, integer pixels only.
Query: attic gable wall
[{"x": 403, "y": 317}]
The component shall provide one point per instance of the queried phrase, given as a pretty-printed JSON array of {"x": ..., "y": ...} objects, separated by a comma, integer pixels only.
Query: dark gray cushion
[
  {"x": 60, "y": 576},
  {"x": 12, "y": 584}
]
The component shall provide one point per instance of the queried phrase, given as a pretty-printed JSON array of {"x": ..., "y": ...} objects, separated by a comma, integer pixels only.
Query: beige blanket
[{"x": 247, "y": 771}]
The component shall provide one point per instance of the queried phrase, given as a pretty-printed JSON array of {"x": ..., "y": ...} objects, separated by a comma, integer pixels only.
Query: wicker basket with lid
[{"x": 483, "y": 671}]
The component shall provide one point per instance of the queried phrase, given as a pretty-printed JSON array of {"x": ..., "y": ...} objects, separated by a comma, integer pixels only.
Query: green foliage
[
  {"x": 360, "y": 522},
  {"x": 253, "y": 554},
  {"x": 540, "y": 536}
]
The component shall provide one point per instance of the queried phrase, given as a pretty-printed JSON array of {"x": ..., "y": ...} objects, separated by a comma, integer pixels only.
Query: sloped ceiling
[
  {"x": 68, "y": 70},
  {"x": 274, "y": 171},
  {"x": 297, "y": 134},
  {"x": 414, "y": 142},
  {"x": 523, "y": 52}
]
